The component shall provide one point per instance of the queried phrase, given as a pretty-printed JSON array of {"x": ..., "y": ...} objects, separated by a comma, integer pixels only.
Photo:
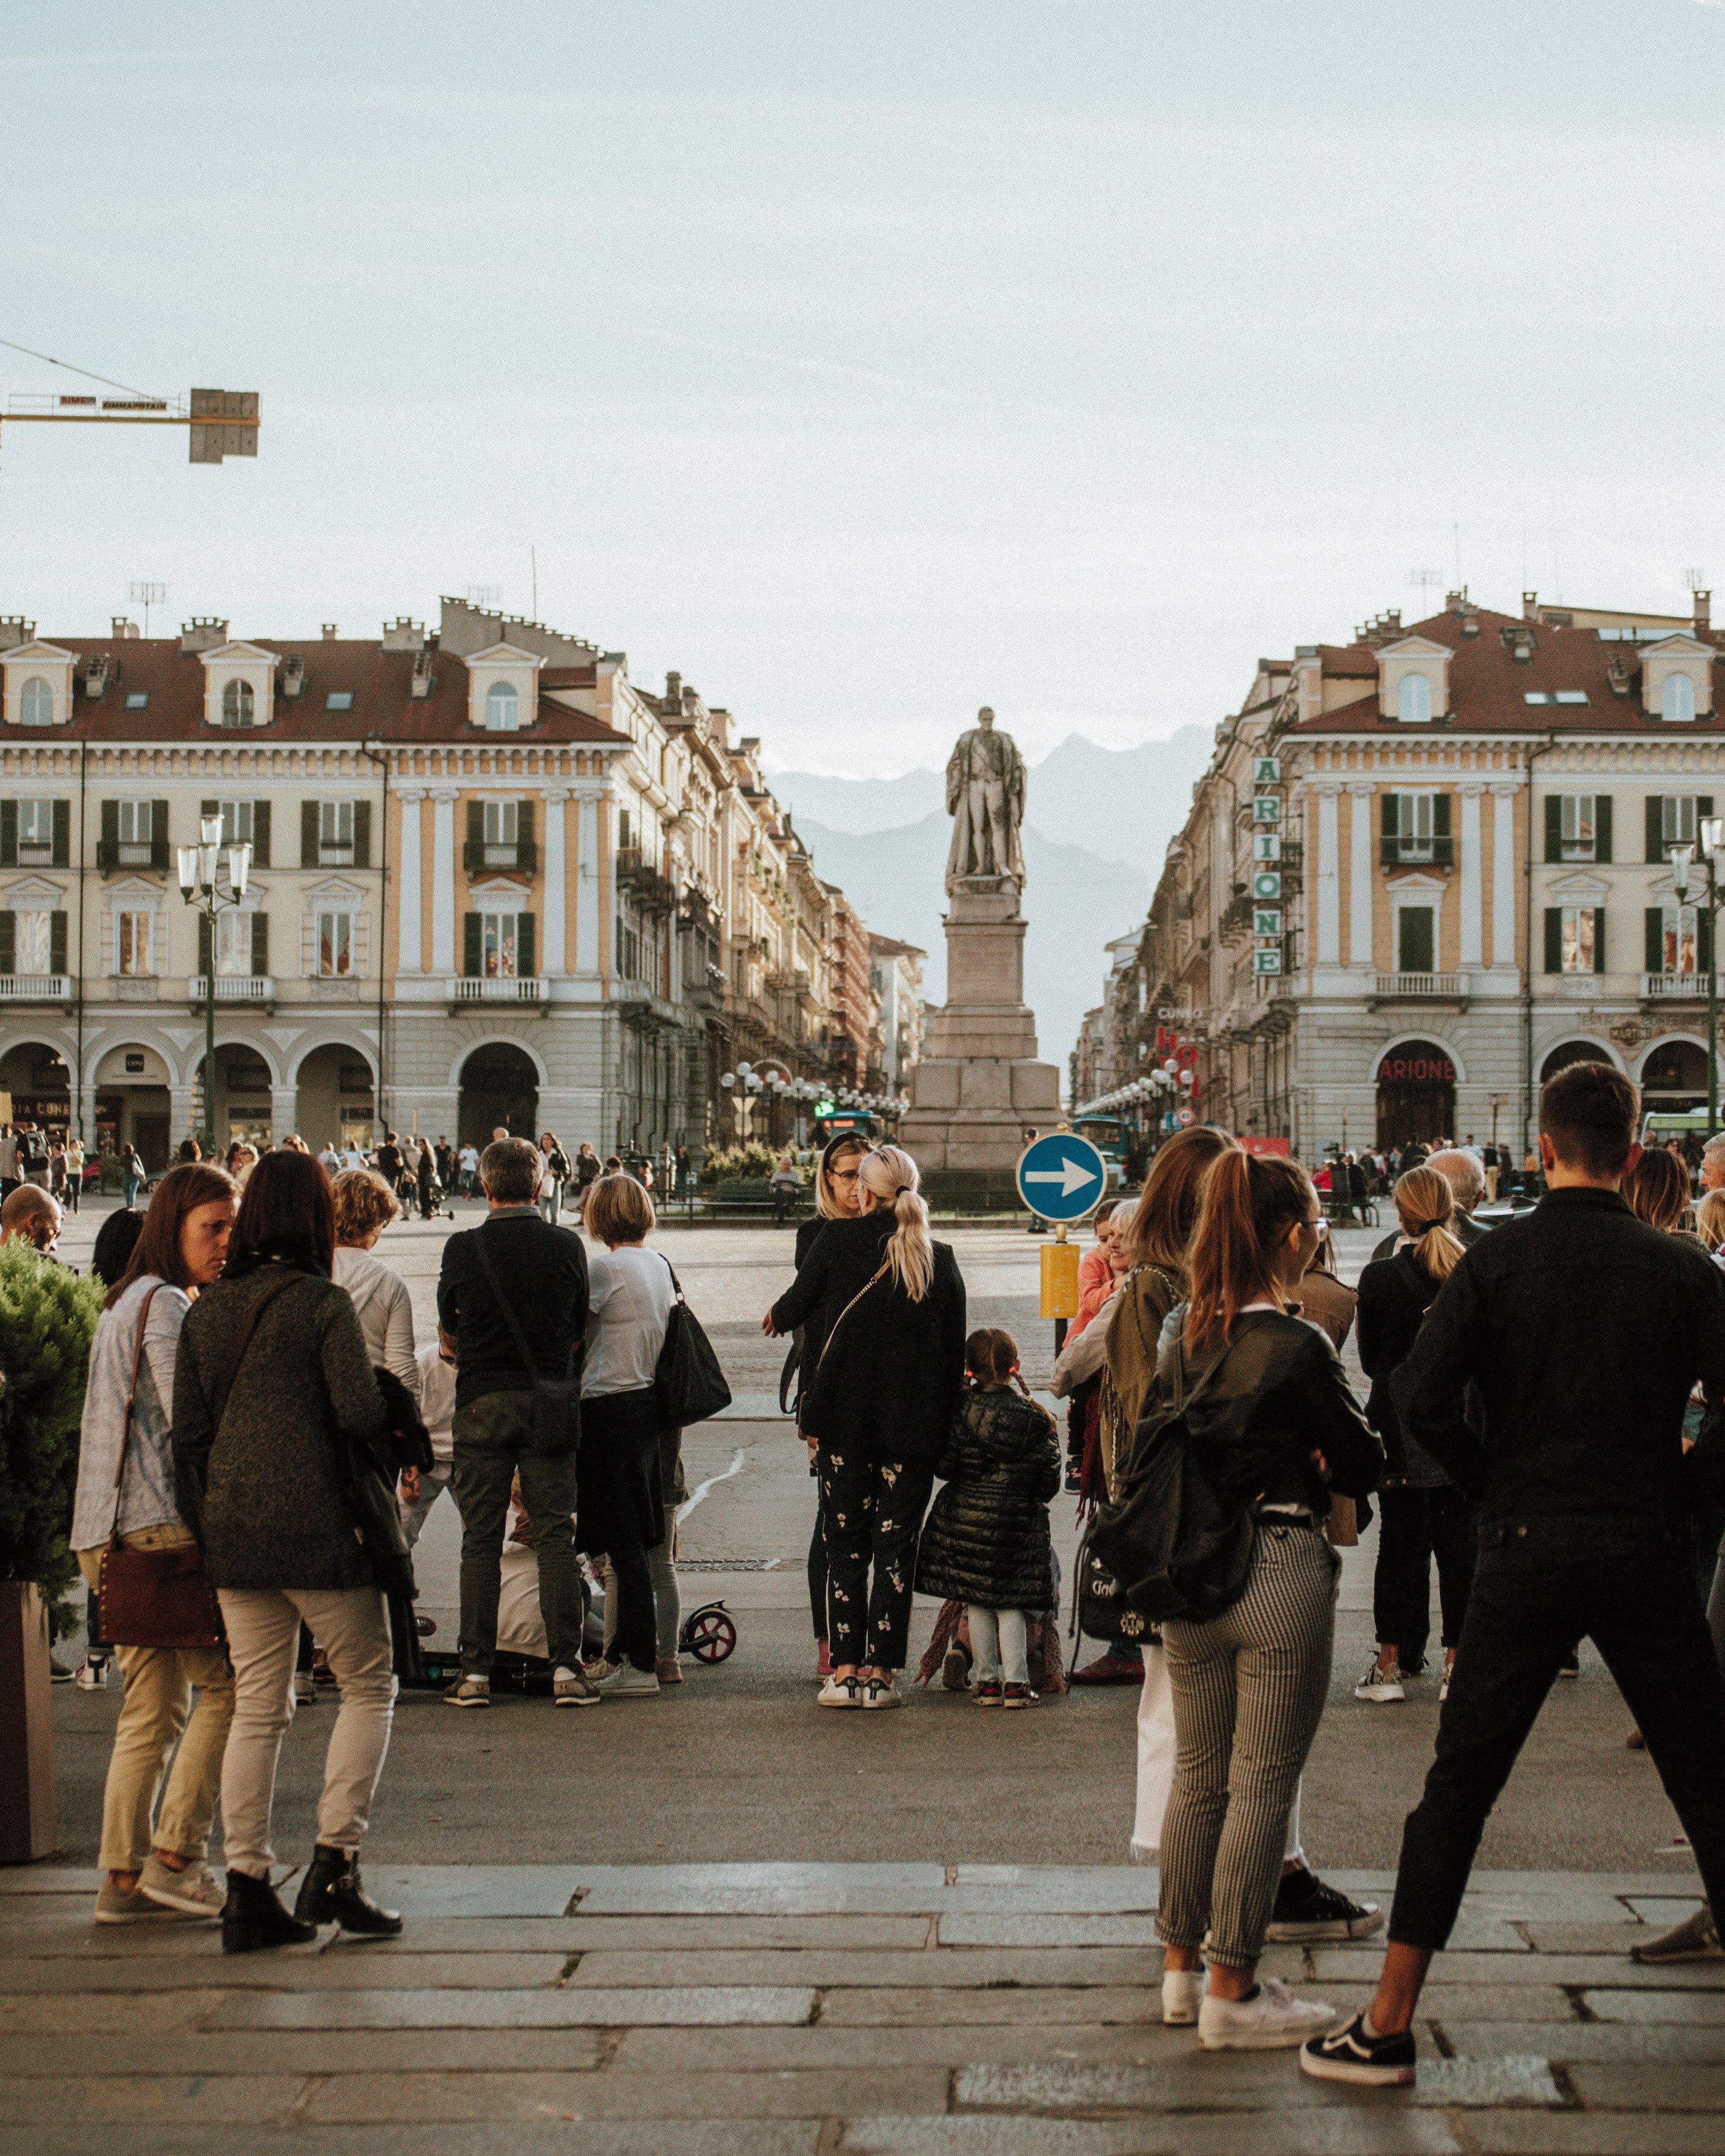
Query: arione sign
[
  {"x": 1267, "y": 808},
  {"x": 1416, "y": 1070},
  {"x": 1267, "y": 771},
  {"x": 1266, "y": 845},
  {"x": 1267, "y": 883},
  {"x": 1266, "y": 961}
]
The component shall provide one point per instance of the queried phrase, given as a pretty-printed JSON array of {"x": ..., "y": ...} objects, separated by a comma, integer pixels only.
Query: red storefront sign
[{"x": 1416, "y": 1067}]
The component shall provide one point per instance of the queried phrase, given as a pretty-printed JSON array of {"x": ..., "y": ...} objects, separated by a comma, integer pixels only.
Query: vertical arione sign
[{"x": 1266, "y": 872}]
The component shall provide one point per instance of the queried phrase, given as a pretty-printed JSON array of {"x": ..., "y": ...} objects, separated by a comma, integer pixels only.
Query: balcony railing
[
  {"x": 520, "y": 855},
  {"x": 34, "y": 987},
  {"x": 1422, "y": 987},
  {"x": 506, "y": 988},
  {"x": 234, "y": 989},
  {"x": 1675, "y": 988}
]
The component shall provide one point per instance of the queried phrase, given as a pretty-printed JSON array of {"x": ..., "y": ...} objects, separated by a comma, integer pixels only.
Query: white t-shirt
[
  {"x": 629, "y": 1303},
  {"x": 437, "y": 1400},
  {"x": 470, "y": 1160}
]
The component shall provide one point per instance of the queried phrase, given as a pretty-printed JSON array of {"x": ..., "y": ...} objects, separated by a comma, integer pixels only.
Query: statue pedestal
[{"x": 979, "y": 1093}]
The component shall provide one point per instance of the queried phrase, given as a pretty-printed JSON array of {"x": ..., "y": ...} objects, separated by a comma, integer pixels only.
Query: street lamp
[
  {"x": 200, "y": 886},
  {"x": 1712, "y": 831}
]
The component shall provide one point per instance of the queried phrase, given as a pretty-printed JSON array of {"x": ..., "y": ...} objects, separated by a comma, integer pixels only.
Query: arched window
[
  {"x": 1413, "y": 700},
  {"x": 502, "y": 707},
  {"x": 1676, "y": 699},
  {"x": 237, "y": 704},
  {"x": 36, "y": 704}
]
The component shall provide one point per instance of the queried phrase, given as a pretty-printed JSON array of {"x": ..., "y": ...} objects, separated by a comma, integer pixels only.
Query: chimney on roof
[
  {"x": 1530, "y": 606},
  {"x": 124, "y": 629},
  {"x": 423, "y": 680},
  {"x": 673, "y": 689},
  {"x": 328, "y": 632},
  {"x": 1703, "y": 613},
  {"x": 203, "y": 633},
  {"x": 1456, "y": 601},
  {"x": 95, "y": 674},
  {"x": 403, "y": 634},
  {"x": 293, "y": 675},
  {"x": 15, "y": 629}
]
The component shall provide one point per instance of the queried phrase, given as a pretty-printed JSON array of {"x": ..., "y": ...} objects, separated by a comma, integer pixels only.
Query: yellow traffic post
[{"x": 1060, "y": 1282}]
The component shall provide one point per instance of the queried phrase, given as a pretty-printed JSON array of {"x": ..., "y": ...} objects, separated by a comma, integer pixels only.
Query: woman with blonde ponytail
[
  {"x": 887, "y": 1304},
  {"x": 1421, "y": 1512}
]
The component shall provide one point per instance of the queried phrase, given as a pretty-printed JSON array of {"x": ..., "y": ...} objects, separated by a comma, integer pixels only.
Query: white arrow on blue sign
[{"x": 1061, "y": 1177}]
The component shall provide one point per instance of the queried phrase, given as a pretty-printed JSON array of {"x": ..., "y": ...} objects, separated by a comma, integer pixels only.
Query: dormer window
[
  {"x": 503, "y": 706},
  {"x": 1412, "y": 701},
  {"x": 1676, "y": 699},
  {"x": 36, "y": 703},
  {"x": 237, "y": 704}
]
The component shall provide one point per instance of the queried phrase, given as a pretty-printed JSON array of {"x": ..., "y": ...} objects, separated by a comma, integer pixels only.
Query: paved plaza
[{"x": 721, "y": 1921}]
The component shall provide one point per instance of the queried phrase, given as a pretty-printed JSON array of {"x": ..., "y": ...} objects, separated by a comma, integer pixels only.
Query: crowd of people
[{"x": 1541, "y": 1425}]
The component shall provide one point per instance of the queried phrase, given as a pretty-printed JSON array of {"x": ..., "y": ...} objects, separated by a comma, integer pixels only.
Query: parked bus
[{"x": 1109, "y": 1135}]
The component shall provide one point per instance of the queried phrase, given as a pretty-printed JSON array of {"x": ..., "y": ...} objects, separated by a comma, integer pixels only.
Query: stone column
[
  {"x": 1329, "y": 873},
  {"x": 410, "y": 956},
  {"x": 553, "y": 958},
  {"x": 1361, "y": 792},
  {"x": 182, "y": 1108},
  {"x": 284, "y": 1111},
  {"x": 589, "y": 926},
  {"x": 1503, "y": 873},
  {"x": 443, "y": 878},
  {"x": 1473, "y": 881}
]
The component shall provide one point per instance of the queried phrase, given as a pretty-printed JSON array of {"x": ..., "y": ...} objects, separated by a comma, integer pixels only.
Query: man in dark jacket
[
  {"x": 1583, "y": 1331},
  {"x": 539, "y": 1273}
]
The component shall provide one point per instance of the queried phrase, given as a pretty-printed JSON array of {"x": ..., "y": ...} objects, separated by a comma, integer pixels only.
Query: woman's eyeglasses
[
  {"x": 1319, "y": 1227},
  {"x": 843, "y": 1174}
]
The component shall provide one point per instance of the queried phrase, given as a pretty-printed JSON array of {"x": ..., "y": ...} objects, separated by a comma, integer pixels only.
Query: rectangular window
[
  {"x": 339, "y": 700},
  {"x": 1676, "y": 813},
  {"x": 502, "y": 833},
  {"x": 497, "y": 946},
  {"x": 35, "y": 833},
  {"x": 236, "y": 822},
  {"x": 136, "y": 830},
  {"x": 135, "y": 944},
  {"x": 334, "y": 834},
  {"x": 1682, "y": 947},
  {"x": 1416, "y": 832},
  {"x": 34, "y": 948},
  {"x": 137, "y": 699},
  {"x": 1578, "y": 940},
  {"x": 234, "y": 944},
  {"x": 335, "y": 945},
  {"x": 1577, "y": 827}
]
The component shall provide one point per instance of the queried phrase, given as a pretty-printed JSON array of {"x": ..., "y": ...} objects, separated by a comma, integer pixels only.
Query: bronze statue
[{"x": 985, "y": 799}]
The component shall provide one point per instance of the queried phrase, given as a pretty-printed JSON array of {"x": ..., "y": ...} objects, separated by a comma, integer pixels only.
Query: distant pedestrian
[
  {"x": 555, "y": 1174},
  {"x": 470, "y": 1160},
  {"x": 786, "y": 1185}
]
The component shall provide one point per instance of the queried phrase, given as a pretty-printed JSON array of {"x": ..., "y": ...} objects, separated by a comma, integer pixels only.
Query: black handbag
[
  {"x": 688, "y": 1383},
  {"x": 1175, "y": 1548},
  {"x": 557, "y": 1401}
]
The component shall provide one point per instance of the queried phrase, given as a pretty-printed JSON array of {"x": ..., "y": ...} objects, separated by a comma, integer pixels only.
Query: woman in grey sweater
[{"x": 273, "y": 1391}]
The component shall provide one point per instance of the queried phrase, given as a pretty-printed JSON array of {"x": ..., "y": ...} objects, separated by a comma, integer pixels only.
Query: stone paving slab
[
  {"x": 310, "y": 1970},
  {"x": 1363, "y": 2131},
  {"x": 319, "y": 2051},
  {"x": 1360, "y": 1962},
  {"x": 490, "y": 2138},
  {"x": 968, "y": 1970},
  {"x": 832, "y": 2092},
  {"x": 1628, "y": 2084},
  {"x": 196, "y": 2099},
  {"x": 1200, "y": 2081},
  {"x": 1596, "y": 2134},
  {"x": 1698, "y": 2009},
  {"x": 694, "y": 2005},
  {"x": 764, "y": 1890}
]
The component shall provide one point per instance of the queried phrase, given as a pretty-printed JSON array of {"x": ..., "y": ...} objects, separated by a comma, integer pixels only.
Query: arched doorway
[
  {"x": 335, "y": 1103},
  {"x": 1674, "y": 1077},
  {"x": 133, "y": 1106},
  {"x": 1572, "y": 1051},
  {"x": 498, "y": 1084},
  {"x": 40, "y": 1086},
  {"x": 1416, "y": 1094},
  {"x": 243, "y": 1107}
]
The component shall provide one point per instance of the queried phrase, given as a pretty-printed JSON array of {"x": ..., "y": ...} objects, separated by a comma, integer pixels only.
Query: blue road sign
[{"x": 1062, "y": 1178}]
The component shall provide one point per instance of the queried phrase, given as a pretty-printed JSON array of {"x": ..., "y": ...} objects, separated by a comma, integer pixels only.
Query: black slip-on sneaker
[
  {"x": 1306, "y": 1910},
  {"x": 1348, "y": 2053}
]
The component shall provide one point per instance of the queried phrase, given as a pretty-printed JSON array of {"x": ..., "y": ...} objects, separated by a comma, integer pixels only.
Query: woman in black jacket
[
  {"x": 1421, "y": 1512},
  {"x": 277, "y": 1412},
  {"x": 887, "y": 1305},
  {"x": 1274, "y": 1427}
]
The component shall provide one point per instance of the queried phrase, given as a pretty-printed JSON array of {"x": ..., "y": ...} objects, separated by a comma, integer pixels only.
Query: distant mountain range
[{"x": 1097, "y": 824}]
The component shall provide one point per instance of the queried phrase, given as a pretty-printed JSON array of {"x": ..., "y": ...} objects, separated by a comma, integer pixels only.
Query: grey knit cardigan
[{"x": 275, "y": 1511}]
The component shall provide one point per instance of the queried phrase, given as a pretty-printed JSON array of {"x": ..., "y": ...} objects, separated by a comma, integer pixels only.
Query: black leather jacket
[{"x": 1262, "y": 1405}]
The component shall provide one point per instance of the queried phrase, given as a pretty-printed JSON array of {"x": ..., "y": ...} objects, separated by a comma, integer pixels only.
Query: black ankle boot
[
  {"x": 253, "y": 1918},
  {"x": 332, "y": 1895}
]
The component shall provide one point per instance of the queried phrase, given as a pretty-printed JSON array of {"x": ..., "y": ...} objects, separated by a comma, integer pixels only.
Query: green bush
[
  {"x": 48, "y": 1319},
  {"x": 753, "y": 1162}
]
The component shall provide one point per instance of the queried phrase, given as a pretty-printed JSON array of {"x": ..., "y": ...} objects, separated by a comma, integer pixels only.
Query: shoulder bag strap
[
  {"x": 846, "y": 1312},
  {"x": 243, "y": 1340},
  {"x": 510, "y": 1318},
  {"x": 137, "y": 1356}
]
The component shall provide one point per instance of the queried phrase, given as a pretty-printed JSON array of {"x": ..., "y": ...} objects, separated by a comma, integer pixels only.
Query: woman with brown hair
[
  {"x": 125, "y": 1488},
  {"x": 279, "y": 1422},
  {"x": 1268, "y": 1410},
  {"x": 1657, "y": 1190}
]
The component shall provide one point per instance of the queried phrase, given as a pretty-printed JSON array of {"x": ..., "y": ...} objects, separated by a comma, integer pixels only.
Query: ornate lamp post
[
  {"x": 200, "y": 886},
  {"x": 1682, "y": 860}
]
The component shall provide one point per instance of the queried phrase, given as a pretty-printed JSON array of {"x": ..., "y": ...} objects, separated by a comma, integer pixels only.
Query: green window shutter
[
  {"x": 476, "y": 822},
  {"x": 9, "y": 943},
  {"x": 108, "y": 845},
  {"x": 1602, "y": 827},
  {"x": 1599, "y": 939},
  {"x": 56, "y": 943},
  {"x": 362, "y": 834},
  {"x": 159, "y": 835},
  {"x": 1554, "y": 826},
  {"x": 261, "y": 834},
  {"x": 1554, "y": 939},
  {"x": 524, "y": 945},
  {"x": 1703, "y": 807},
  {"x": 1443, "y": 843},
  {"x": 1656, "y": 827},
  {"x": 8, "y": 836},
  {"x": 524, "y": 823},
  {"x": 473, "y": 956},
  {"x": 204, "y": 966},
  {"x": 1654, "y": 951},
  {"x": 1390, "y": 847},
  {"x": 308, "y": 835},
  {"x": 260, "y": 945},
  {"x": 1704, "y": 940},
  {"x": 63, "y": 834}
]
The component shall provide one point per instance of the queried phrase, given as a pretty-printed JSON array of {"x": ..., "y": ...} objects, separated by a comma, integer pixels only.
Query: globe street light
[{"x": 201, "y": 886}]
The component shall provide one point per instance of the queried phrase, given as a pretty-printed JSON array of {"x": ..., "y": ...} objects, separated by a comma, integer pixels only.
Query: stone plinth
[{"x": 980, "y": 1091}]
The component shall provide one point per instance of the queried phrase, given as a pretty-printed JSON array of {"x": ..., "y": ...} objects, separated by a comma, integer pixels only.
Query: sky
[{"x": 869, "y": 363}]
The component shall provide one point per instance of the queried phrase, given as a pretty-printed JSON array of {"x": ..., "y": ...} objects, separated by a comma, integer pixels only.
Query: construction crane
[{"x": 219, "y": 423}]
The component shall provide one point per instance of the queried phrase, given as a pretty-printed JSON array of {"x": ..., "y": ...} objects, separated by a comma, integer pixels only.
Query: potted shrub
[{"x": 48, "y": 1319}]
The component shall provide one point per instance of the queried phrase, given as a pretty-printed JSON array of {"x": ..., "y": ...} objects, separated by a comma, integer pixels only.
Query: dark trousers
[
  {"x": 871, "y": 1515},
  {"x": 1525, "y": 1615},
  {"x": 623, "y": 1510},
  {"x": 490, "y": 1438},
  {"x": 818, "y": 1571},
  {"x": 1413, "y": 1527}
]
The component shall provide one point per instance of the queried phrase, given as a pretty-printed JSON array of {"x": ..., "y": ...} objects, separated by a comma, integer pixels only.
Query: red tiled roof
[
  {"x": 381, "y": 683},
  {"x": 1489, "y": 687}
]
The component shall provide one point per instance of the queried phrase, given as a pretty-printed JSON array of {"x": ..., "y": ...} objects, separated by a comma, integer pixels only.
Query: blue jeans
[{"x": 132, "y": 1186}]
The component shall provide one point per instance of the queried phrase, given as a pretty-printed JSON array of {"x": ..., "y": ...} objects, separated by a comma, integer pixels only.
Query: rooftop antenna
[
  {"x": 1428, "y": 581},
  {"x": 142, "y": 592},
  {"x": 1697, "y": 579},
  {"x": 484, "y": 595},
  {"x": 1457, "y": 529},
  {"x": 533, "y": 555}
]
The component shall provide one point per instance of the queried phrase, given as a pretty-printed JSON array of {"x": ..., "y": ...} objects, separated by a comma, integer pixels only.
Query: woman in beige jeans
[{"x": 154, "y": 1871}]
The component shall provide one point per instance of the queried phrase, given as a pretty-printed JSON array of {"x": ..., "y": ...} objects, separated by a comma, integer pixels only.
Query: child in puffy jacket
[{"x": 986, "y": 1542}]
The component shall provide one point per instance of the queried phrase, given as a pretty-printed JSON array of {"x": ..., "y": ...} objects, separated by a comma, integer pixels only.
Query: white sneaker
[
  {"x": 880, "y": 1691},
  {"x": 92, "y": 1674},
  {"x": 1181, "y": 1996},
  {"x": 1271, "y": 2020},
  {"x": 304, "y": 1689},
  {"x": 840, "y": 1692},
  {"x": 1381, "y": 1686},
  {"x": 194, "y": 1892},
  {"x": 628, "y": 1682}
]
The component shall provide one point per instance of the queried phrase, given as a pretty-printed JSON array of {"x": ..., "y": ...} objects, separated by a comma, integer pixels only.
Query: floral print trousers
[{"x": 871, "y": 1513}]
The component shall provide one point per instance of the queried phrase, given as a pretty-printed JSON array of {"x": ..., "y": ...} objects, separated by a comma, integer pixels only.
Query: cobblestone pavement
[{"x": 825, "y": 2009}]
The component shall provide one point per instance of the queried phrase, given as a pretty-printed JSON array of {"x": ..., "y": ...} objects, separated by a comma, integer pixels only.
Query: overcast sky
[{"x": 868, "y": 362}]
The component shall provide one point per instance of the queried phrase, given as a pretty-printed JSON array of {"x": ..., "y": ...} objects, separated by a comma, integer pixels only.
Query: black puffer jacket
[{"x": 986, "y": 1537}]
